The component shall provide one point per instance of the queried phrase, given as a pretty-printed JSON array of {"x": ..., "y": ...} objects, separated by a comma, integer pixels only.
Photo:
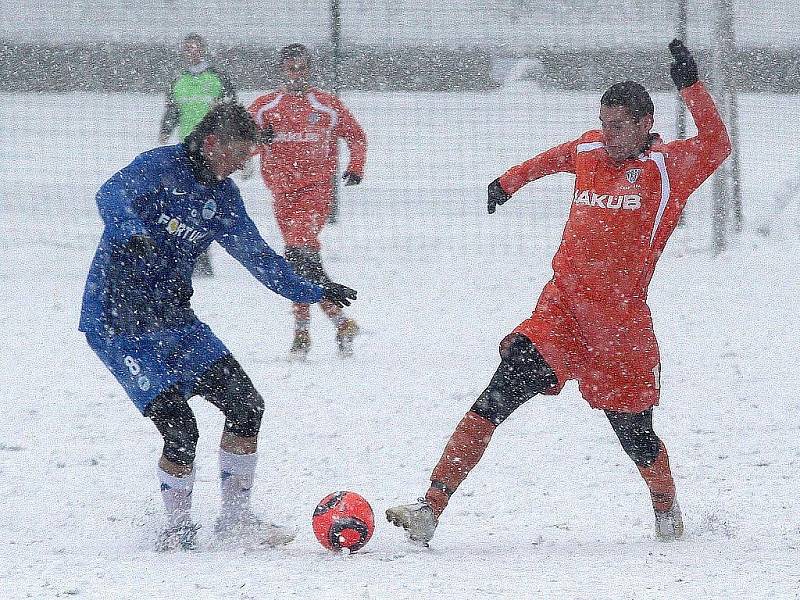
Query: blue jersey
[{"x": 168, "y": 195}]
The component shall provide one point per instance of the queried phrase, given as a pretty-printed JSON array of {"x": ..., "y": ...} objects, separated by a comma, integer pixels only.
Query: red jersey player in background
[
  {"x": 592, "y": 322},
  {"x": 298, "y": 165}
]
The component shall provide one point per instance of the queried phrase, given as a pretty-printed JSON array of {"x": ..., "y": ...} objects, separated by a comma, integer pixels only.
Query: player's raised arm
[{"x": 711, "y": 146}]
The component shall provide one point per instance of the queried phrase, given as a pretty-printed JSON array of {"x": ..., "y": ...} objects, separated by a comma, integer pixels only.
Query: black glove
[
  {"x": 140, "y": 246},
  {"x": 340, "y": 295},
  {"x": 266, "y": 135},
  {"x": 351, "y": 178},
  {"x": 497, "y": 196},
  {"x": 684, "y": 70},
  {"x": 134, "y": 307}
]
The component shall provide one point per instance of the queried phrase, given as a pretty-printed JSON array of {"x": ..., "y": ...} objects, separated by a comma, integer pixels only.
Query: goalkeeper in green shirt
[{"x": 189, "y": 97}]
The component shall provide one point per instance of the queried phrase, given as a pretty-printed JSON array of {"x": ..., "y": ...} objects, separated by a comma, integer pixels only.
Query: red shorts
[
  {"x": 301, "y": 214},
  {"x": 614, "y": 357}
]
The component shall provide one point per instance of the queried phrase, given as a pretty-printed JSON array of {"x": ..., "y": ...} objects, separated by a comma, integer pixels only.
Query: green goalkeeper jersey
[{"x": 191, "y": 95}]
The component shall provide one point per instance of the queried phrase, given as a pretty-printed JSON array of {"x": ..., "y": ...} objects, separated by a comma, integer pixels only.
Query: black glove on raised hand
[
  {"x": 351, "y": 178},
  {"x": 497, "y": 196},
  {"x": 339, "y": 294},
  {"x": 684, "y": 70}
]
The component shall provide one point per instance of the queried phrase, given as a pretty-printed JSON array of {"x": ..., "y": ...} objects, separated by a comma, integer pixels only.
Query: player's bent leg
[
  {"x": 307, "y": 262},
  {"x": 175, "y": 421},
  {"x": 522, "y": 374},
  {"x": 229, "y": 388},
  {"x": 638, "y": 439}
]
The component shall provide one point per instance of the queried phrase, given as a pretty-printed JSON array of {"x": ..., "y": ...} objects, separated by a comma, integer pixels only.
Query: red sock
[
  {"x": 461, "y": 454},
  {"x": 659, "y": 479},
  {"x": 302, "y": 316}
]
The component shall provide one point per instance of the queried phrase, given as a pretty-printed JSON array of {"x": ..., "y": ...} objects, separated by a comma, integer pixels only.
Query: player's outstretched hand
[
  {"x": 684, "y": 70},
  {"x": 339, "y": 294},
  {"x": 497, "y": 196},
  {"x": 351, "y": 178}
]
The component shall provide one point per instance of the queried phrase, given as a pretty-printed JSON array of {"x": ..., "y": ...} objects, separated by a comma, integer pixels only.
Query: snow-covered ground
[{"x": 554, "y": 510}]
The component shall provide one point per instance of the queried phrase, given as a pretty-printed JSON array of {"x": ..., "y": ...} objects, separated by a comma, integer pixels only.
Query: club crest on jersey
[
  {"x": 314, "y": 117},
  {"x": 209, "y": 209},
  {"x": 632, "y": 175}
]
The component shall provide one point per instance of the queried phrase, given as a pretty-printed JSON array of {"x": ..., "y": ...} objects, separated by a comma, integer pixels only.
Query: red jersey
[
  {"x": 623, "y": 213},
  {"x": 307, "y": 126}
]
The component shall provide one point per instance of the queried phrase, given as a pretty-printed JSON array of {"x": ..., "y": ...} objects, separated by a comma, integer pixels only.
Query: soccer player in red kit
[
  {"x": 592, "y": 322},
  {"x": 301, "y": 126}
]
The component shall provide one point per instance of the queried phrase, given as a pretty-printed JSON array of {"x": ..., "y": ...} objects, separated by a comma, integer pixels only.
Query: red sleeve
[
  {"x": 254, "y": 109},
  {"x": 690, "y": 162},
  {"x": 560, "y": 159},
  {"x": 254, "y": 106},
  {"x": 351, "y": 132}
]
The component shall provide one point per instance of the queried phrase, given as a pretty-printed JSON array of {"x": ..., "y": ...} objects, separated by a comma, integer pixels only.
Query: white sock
[
  {"x": 177, "y": 495},
  {"x": 237, "y": 472}
]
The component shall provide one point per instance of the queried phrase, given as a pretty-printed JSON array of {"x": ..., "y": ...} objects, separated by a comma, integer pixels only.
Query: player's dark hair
[
  {"x": 294, "y": 51},
  {"x": 228, "y": 120},
  {"x": 196, "y": 38},
  {"x": 632, "y": 96}
]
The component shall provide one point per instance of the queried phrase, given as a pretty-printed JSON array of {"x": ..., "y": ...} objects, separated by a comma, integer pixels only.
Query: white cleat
[
  {"x": 344, "y": 337},
  {"x": 246, "y": 529},
  {"x": 417, "y": 519},
  {"x": 179, "y": 537},
  {"x": 669, "y": 523},
  {"x": 301, "y": 344}
]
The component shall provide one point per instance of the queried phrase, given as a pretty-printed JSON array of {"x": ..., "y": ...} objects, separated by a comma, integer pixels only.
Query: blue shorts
[{"x": 147, "y": 364}]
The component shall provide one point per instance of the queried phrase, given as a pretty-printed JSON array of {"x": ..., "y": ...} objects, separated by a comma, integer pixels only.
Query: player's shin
[
  {"x": 176, "y": 493},
  {"x": 237, "y": 472},
  {"x": 658, "y": 477},
  {"x": 462, "y": 452}
]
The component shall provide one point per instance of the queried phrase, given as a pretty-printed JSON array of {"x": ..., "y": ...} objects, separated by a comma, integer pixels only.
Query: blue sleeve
[
  {"x": 116, "y": 199},
  {"x": 242, "y": 240}
]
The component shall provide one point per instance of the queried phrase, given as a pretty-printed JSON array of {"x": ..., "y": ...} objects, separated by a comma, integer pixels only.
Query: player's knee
[
  {"x": 636, "y": 435},
  {"x": 306, "y": 262},
  {"x": 241, "y": 403},
  {"x": 495, "y": 404},
  {"x": 178, "y": 427},
  {"x": 526, "y": 373},
  {"x": 522, "y": 374},
  {"x": 243, "y": 418},
  {"x": 642, "y": 449}
]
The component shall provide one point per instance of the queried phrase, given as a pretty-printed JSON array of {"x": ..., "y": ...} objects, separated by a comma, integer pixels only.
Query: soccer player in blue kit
[{"x": 161, "y": 212}]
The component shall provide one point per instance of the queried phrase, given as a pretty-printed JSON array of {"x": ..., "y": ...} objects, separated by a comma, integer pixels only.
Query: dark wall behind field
[
  {"x": 149, "y": 68},
  {"x": 107, "y": 67}
]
